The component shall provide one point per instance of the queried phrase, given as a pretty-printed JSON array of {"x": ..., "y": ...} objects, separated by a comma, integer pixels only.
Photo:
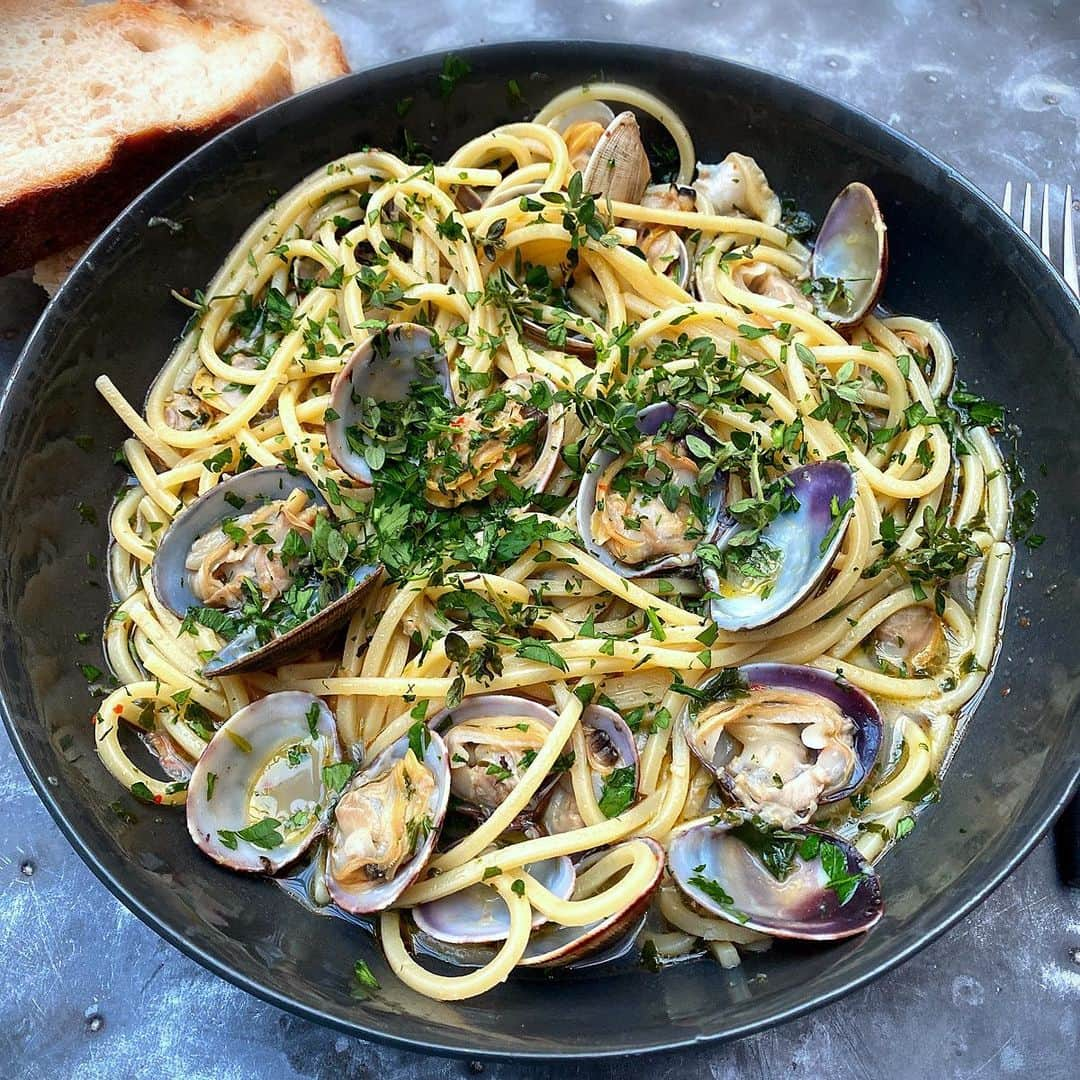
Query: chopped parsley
[
  {"x": 336, "y": 776},
  {"x": 715, "y": 892},
  {"x": 454, "y": 69},
  {"x": 364, "y": 983},
  {"x": 620, "y": 786},
  {"x": 263, "y": 834}
]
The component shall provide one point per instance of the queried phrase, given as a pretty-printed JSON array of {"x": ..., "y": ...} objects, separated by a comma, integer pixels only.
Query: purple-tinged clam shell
[
  {"x": 650, "y": 421},
  {"x": 382, "y": 368},
  {"x": 560, "y": 945},
  {"x": 806, "y": 539},
  {"x": 264, "y": 764},
  {"x": 801, "y": 688},
  {"x": 852, "y": 248},
  {"x": 726, "y": 877},
  {"x": 479, "y": 913},
  {"x": 486, "y": 747},
  {"x": 363, "y": 809},
  {"x": 241, "y": 494},
  {"x": 244, "y": 494}
]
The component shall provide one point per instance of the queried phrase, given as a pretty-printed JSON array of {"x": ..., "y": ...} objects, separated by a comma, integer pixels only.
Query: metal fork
[
  {"x": 1067, "y": 830},
  {"x": 1068, "y": 246}
]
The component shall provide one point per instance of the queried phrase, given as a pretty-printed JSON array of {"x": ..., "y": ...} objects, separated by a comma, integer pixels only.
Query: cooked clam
[
  {"x": 764, "y": 279},
  {"x": 244, "y": 544},
  {"x": 491, "y": 740},
  {"x": 785, "y": 739},
  {"x": 666, "y": 253},
  {"x": 635, "y": 509},
  {"x": 612, "y": 757},
  {"x": 581, "y": 127},
  {"x": 852, "y": 254},
  {"x": 520, "y": 440},
  {"x": 664, "y": 249},
  {"x": 259, "y": 794},
  {"x": 386, "y": 823},
  {"x": 911, "y": 641},
  {"x": 386, "y": 367},
  {"x": 795, "y": 551},
  {"x": 737, "y": 185},
  {"x": 813, "y": 885}
]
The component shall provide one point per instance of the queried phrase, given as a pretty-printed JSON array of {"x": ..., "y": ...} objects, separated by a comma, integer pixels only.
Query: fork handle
[{"x": 1067, "y": 843}]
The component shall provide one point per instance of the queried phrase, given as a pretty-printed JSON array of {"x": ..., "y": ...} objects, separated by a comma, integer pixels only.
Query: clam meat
[{"x": 783, "y": 739}]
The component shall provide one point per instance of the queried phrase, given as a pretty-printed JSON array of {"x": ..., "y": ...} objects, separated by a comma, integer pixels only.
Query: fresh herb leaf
[
  {"x": 620, "y": 787},
  {"x": 263, "y": 834},
  {"x": 336, "y": 776}
]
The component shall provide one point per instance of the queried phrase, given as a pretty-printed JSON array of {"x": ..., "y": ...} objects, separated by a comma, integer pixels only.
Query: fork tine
[
  {"x": 1069, "y": 253},
  {"x": 1044, "y": 232},
  {"x": 1006, "y": 201},
  {"x": 1027, "y": 209}
]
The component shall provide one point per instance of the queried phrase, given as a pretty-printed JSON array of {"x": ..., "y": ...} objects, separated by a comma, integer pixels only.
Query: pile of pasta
[{"x": 583, "y": 608}]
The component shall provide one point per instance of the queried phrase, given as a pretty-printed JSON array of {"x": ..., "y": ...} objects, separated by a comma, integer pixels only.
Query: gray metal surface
[{"x": 88, "y": 991}]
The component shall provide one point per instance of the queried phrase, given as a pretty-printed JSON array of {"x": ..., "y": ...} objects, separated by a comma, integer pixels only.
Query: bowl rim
[{"x": 76, "y": 285}]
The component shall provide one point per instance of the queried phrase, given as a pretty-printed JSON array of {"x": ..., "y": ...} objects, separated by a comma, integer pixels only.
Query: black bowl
[{"x": 954, "y": 257}]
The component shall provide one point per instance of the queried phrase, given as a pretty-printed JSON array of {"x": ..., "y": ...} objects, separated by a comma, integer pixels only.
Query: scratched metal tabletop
[{"x": 992, "y": 87}]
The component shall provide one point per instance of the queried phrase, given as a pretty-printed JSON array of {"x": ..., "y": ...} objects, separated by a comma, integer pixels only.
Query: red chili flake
[
  {"x": 118, "y": 709},
  {"x": 157, "y": 799}
]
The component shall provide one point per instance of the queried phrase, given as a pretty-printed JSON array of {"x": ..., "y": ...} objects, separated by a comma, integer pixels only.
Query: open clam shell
[
  {"x": 800, "y": 689},
  {"x": 489, "y": 739},
  {"x": 852, "y": 248},
  {"x": 609, "y": 748},
  {"x": 666, "y": 253},
  {"x": 244, "y": 494},
  {"x": 911, "y": 641},
  {"x": 553, "y": 424},
  {"x": 618, "y": 168},
  {"x": 257, "y": 796},
  {"x": 806, "y": 539},
  {"x": 372, "y": 826},
  {"x": 385, "y": 367},
  {"x": 560, "y": 945},
  {"x": 241, "y": 494},
  {"x": 726, "y": 877},
  {"x": 651, "y": 420},
  {"x": 609, "y": 745},
  {"x": 519, "y": 441},
  {"x": 479, "y": 913}
]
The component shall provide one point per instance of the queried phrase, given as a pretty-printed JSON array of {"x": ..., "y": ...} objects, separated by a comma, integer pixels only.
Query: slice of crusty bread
[
  {"x": 315, "y": 53},
  {"x": 95, "y": 101}
]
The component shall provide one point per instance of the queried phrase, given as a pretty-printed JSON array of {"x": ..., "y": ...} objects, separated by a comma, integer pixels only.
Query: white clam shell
[{"x": 245, "y": 757}]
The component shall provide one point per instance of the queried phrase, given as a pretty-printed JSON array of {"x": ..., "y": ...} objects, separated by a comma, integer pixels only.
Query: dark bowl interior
[{"x": 954, "y": 257}]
